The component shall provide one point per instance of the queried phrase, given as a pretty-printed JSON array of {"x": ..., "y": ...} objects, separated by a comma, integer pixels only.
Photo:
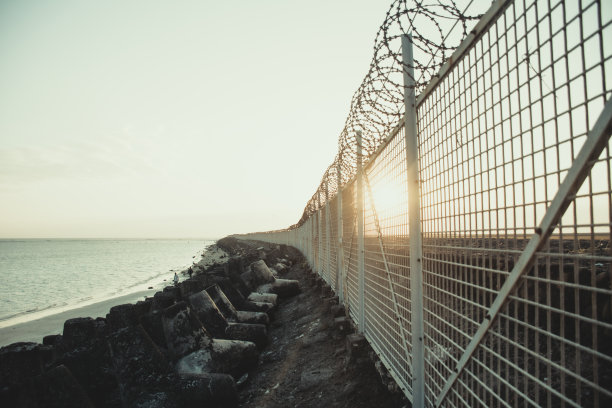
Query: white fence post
[
  {"x": 319, "y": 240},
  {"x": 327, "y": 235},
  {"x": 340, "y": 250},
  {"x": 360, "y": 236},
  {"x": 414, "y": 231},
  {"x": 312, "y": 247},
  {"x": 307, "y": 240}
]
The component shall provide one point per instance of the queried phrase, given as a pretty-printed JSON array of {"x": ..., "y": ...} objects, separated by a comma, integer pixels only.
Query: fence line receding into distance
[{"x": 503, "y": 295}]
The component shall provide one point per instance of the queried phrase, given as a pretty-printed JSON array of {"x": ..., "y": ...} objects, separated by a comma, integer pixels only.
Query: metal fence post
[
  {"x": 307, "y": 240},
  {"x": 360, "y": 236},
  {"x": 313, "y": 251},
  {"x": 340, "y": 250},
  {"x": 414, "y": 210},
  {"x": 327, "y": 234},
  {"x": 311, "y": 239},
  {"x": 319, "y": 240},
  {"x": 312, "y": 246}
]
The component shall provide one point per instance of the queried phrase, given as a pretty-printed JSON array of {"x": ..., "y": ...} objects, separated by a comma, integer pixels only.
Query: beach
[
  {"x": 32, "y": 328},
  {"x": 35, "y": 330}
]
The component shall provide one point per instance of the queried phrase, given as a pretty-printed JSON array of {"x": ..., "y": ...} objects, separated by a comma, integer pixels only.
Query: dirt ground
[{"x": 306, "y": 363}]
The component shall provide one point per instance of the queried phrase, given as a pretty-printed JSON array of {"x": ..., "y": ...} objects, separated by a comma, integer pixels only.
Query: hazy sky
[{"x": 127, "y": 118}]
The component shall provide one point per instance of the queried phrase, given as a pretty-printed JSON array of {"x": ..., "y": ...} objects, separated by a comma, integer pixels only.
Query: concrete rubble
[{"x": 185, "y": 346}]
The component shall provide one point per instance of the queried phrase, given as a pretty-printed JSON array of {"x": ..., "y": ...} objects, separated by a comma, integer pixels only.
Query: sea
[{"x": 41, "y": 277}]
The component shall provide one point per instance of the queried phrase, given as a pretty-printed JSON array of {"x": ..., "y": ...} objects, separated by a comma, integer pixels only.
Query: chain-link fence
[{"x": 496, "y": 290}]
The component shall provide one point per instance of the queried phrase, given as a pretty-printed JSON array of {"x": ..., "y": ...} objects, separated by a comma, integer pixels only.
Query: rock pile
[{"x": 184, "y": 347}]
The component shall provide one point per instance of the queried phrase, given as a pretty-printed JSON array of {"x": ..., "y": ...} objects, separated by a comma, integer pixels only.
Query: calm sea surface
[{"x": 48, "y": 275}]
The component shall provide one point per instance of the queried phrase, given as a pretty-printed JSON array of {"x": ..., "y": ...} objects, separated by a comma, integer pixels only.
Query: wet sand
[{"x": 35, "y": 330}]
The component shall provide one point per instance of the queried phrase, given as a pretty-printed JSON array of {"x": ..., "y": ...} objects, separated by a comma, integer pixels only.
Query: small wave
[{"x": 34, "y": 310}]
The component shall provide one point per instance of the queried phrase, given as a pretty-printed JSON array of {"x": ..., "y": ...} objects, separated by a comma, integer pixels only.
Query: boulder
[
  {"x": 356, "y": 346},
  {"x": 286, "y": 287},
  {"x": 190, "y": 286},
  {"x": 208, "y": 313},
  {"x": 143, "y": 307},
  {"x": 121, "y": 316},
  {"x": 173, "y": 291},
  {"x": 162, "y": 300},
  {"x": 78, "y": 331},
  {"x": 184, "y": 333},
  {"x": 52, "y": 339},
  {"x": 171, "y": 294},
  {"x": 232, "y": 357},
  {"x": 252, "y": 317},
  {"x": 281, "y": 268},
  {"x": 217, "y": 274},
  {"x": 255, "y": 333},
  {"x": 235, "y": 293},
  {"x": 261, "y": 273},
  {"x": 263, "y": 297},
  {"x": 263, "y": 307},
  {"x": 139, "y": 366},
  {"x": 223, "y": 303},
  {"x": 281, "y": 287}
]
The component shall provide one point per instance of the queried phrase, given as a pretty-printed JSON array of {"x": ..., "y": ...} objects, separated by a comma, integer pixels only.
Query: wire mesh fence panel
[
  {"x": 333, "y": 243},
  {"x": 387, "y": 272},
  {"x": 498, "y": 135},
  {"x": 322, "y": 228},
  {"x": 350, "y": 278},
  {"x": 514, "y": 314}
]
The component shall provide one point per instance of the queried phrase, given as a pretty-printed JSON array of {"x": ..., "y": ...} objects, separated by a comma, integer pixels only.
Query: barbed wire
[{"x": 437, "y": 28}]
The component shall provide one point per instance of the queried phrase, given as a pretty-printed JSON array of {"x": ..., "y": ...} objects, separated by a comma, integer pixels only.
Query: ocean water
[{"x": 42, "y": 276}]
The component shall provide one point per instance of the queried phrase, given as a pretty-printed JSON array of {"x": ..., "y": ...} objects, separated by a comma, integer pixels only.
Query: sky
[{"x": 172, "y": 119}]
